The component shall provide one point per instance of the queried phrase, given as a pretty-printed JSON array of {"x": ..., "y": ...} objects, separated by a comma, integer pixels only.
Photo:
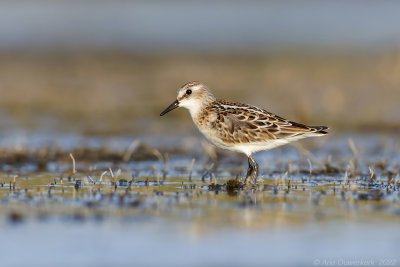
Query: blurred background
[
  {"x": 110, "y": 67},
  {"x": 90, "y": 175}
]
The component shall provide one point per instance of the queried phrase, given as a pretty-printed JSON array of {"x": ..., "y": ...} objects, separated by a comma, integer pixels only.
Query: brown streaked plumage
[
  {"x": 239, "y": 127},
  {"x": 240, "y": 123}
]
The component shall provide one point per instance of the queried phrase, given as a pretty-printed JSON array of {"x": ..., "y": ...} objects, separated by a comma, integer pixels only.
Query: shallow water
[
  {"x": 164, "y": 200},
  {"x": 142, "y": 25}
]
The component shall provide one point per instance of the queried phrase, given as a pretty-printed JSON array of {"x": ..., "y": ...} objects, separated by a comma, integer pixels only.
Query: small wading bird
[{"x": 239, "y": 127}]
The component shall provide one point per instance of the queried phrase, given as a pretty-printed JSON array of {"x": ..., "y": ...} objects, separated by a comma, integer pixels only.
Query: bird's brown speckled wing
[{"x": 241, "y": 123}]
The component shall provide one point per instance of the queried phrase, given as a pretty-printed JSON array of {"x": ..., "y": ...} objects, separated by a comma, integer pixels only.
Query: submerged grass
[{"x": 79, "y": 187}]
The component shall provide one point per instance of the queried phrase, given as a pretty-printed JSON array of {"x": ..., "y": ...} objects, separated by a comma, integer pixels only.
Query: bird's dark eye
[{"x": 188, "y": 92}]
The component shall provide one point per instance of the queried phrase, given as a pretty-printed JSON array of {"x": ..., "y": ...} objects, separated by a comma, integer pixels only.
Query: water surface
[{"x": 129, "y": 198}]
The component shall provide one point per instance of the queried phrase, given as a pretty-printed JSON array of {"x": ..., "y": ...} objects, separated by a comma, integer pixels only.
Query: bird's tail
[{"x": 319, "y": 130}]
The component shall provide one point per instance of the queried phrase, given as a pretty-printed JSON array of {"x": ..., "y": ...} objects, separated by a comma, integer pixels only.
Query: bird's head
[{"x": 193, "y": 96}]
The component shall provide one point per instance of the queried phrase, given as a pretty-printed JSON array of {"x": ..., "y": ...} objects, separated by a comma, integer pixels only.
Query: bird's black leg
[
  {"x": 249, "y": 170},
  {"x": 255, "y": 169}
]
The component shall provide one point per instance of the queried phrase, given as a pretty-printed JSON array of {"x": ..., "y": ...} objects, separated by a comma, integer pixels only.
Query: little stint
[{"x": 239, "y": 127}]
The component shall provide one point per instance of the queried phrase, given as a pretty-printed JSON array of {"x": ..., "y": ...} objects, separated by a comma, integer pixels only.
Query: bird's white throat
[{"x": 195, "y": 107}]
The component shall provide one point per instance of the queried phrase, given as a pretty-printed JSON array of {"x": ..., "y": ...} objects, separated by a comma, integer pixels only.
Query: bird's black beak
[{"x": 170, "y": 107}]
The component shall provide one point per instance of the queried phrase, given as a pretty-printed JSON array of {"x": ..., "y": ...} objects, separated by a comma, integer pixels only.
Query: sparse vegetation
[{"x": 82, "y": 185}]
